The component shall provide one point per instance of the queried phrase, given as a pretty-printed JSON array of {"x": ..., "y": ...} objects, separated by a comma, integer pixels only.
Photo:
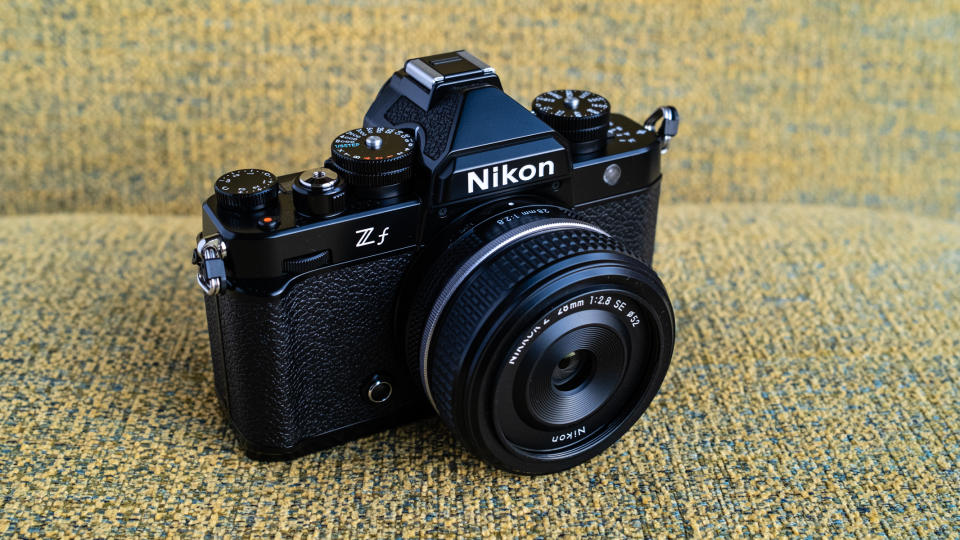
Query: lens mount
[{"x": 538, "y": 338}]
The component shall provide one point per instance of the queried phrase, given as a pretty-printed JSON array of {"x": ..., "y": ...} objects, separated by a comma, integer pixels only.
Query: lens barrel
[{"x": 538, "y": 338}]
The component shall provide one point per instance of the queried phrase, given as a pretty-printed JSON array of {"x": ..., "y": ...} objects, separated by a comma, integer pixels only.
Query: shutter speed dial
[
  {"x": 581, "y": 116},
  {"x": 374, "y": 157},
  {"x": 246, "y": 190}
]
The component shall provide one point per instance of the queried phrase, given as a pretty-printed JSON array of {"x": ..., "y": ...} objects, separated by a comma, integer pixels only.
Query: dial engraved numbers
[
  {"x": 580, "y": 116},
  {"x": 246, "y": 189},
  {"x": 393, "y": 143},
  {"x": 245, "y": 181},
  {"x": 375, "y": 157},
  {"x": 571, "y": 104}
]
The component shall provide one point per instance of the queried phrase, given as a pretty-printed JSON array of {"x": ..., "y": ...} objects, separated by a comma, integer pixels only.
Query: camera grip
[{"x": 290, "y": 370}]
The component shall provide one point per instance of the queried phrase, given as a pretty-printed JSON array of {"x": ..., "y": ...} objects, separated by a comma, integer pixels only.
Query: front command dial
[
  {"x": 246, "y": 190},
  {"x": 579, "y": 115},
  {"x": 373, "y": 156}
]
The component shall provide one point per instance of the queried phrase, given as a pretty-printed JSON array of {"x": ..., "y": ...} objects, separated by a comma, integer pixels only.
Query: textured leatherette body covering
[
  {"x": 631, "y": 219},
  {"x": 294, "y": 369},
  {"x": 437, "y": 122}
]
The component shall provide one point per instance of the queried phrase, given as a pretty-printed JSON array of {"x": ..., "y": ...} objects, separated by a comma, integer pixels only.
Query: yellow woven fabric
[
  {"x": 813, "y": 391},
  {"x": 136, "y": 106}
]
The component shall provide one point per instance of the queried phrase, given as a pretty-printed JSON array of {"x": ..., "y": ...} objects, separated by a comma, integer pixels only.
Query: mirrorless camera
[{"x": 459, "y": 255}]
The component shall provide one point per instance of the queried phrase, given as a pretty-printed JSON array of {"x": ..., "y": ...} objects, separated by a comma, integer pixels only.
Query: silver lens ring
[{"x": 490, "y": 249}]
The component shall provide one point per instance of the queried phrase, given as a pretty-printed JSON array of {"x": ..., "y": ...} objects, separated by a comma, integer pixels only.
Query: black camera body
[{"x": 323, "y": 285}]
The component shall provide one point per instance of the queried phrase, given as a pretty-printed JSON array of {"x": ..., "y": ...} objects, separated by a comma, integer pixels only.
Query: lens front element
[{"x": 573, "y": 371}]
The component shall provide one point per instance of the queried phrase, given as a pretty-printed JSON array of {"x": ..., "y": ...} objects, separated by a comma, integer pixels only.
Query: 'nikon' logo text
[
  {"x": 570, "y": 435},
  {"x": 503, "y": 175}
]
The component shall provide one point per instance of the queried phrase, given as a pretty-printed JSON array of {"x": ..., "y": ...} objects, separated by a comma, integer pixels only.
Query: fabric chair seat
[{"x": 813, "y": 390}]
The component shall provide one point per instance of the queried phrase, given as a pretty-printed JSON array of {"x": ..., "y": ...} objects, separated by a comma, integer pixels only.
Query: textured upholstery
[
  {"x": 123, "y": 105},
  {"x": 813, "y": 390},
  {"x": 808, "y": 236}
]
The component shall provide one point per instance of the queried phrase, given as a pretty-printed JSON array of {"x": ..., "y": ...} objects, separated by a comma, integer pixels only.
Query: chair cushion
[{"x": 813, "y": 391}]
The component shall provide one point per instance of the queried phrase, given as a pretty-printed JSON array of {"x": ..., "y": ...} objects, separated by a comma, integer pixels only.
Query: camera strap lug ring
[
  {"x": 209, "y": 257},
  {"x": 668, "y": 127}
]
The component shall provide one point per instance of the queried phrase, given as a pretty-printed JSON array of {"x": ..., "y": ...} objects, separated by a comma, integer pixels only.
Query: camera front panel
[{"x": 316, "y": 365}]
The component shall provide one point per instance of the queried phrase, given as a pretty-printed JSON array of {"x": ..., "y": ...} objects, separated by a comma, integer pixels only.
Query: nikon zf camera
[{"x": 459, "y": 254}]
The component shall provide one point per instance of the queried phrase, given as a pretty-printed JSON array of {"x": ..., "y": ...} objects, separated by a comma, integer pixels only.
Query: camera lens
[{"x": 538, "y": 338}]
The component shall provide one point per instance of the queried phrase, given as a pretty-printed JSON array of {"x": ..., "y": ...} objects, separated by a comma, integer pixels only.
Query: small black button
[{"x": 305, "y": 263}]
